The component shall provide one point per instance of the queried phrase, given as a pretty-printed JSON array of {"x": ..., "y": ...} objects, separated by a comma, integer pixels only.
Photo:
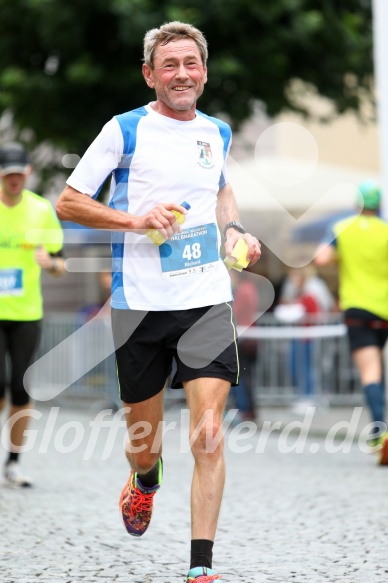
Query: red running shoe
[
  {"x": 383, "y": 453},
  {"x": 136, "y": 503}
]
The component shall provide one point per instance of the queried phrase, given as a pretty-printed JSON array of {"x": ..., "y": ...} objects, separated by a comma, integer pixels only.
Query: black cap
[{"x": 13, "y": 159}]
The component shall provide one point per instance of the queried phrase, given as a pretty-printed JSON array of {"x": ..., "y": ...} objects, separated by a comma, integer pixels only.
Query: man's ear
[{"x": 147, "y": 74}]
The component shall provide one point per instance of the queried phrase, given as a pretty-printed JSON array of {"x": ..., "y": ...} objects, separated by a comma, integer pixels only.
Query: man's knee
[
  {"x": 142, "y": 461},
  {"x": 207, "y": 440}
]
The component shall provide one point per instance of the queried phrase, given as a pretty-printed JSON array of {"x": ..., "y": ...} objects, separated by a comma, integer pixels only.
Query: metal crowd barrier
[
  {"x": 75, "y": 360},
  {"x": 309, "y": 361}
]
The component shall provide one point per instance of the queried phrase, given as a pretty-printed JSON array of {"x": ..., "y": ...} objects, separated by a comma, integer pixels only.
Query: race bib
[
  {"x": 11, "y": 282},
  {"x": 193, "y": 250}
]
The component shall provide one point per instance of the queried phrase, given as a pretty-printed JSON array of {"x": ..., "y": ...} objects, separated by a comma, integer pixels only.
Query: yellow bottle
[{"x": 156, "y": 237}]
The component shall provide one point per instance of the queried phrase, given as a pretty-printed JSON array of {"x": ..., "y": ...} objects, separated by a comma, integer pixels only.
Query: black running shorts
[
  {"x": 365, "y": 329},
  {"x": 201, "y": 342}
]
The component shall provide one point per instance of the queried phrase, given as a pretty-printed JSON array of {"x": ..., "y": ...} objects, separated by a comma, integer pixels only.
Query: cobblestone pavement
[{"x": 316, "y": 516}]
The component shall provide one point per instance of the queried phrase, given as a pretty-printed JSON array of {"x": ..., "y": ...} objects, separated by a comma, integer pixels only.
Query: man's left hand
[{"x": 254, "y": 247}]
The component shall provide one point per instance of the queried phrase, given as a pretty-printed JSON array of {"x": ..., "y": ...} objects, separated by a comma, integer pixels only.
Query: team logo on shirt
[
  {"x": 14, "y": 241},
  {"x": 205, "y": 156}
]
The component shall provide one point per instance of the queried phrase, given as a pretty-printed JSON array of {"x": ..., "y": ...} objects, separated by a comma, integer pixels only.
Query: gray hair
[{"x": 171, "y": 31}]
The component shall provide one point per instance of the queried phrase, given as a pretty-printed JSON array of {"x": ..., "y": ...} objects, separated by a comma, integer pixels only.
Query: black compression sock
[
  {"x": 153, "y": 477},
  {"x": 201, "y": 553},
  {"x": 13, "y": 457}
]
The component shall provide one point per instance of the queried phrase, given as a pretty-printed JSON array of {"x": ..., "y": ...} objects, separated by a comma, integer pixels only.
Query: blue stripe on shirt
[{"x": 128, "y": 123}]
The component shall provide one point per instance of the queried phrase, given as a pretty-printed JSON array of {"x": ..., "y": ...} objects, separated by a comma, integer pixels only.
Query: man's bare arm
[
  {"x": 226, "y": 212},
  {"x": 80, "y": 208},
  {"x": 325, "y": 254}
]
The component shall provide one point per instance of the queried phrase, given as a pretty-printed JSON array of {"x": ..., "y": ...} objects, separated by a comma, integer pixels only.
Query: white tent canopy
[{"x": 276, "y": 183}]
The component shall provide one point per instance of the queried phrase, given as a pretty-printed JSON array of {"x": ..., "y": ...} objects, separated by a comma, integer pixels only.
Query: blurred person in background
[
  {"x": 304, "y": 300},
  {"x": 25, "y": 217},
  {"x": 246, "y": 307},
  {"x": 360, "y": 245},
  {"x": 304, "y": 282},
  {"x": 102, "y": 307}
]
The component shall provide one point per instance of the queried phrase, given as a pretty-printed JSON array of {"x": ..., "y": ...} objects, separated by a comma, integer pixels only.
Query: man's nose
[{"x": 181, "y": 72}]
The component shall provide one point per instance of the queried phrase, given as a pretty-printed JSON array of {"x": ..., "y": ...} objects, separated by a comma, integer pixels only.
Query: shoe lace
[{"x": 141, "y": 501}]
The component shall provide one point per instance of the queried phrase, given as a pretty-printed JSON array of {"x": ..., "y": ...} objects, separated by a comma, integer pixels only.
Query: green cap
[{"x": 368, "y": 195}]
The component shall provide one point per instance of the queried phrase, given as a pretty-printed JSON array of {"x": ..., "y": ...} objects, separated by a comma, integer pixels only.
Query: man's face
[
  {"x": 13, "y": 184},
  {"x": 178, "y": 77}
]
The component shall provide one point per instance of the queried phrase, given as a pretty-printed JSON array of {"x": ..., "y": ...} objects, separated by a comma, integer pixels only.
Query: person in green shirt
[
  {"x": 360, "y": 245},
  {"x": 31, "y": 239}
]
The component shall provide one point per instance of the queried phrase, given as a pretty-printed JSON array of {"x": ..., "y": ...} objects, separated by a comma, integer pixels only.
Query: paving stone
[{"x": 308, "y": 517}]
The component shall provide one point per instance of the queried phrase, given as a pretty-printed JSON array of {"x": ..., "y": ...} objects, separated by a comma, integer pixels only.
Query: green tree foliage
[{"x": 66, "y": 67}]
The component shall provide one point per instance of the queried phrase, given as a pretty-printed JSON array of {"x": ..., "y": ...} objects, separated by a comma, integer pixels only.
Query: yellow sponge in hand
[{"x": 238, "y": 260}]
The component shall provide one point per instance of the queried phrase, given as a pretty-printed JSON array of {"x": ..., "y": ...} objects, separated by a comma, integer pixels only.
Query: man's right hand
[{"x": 160, "y": 218}]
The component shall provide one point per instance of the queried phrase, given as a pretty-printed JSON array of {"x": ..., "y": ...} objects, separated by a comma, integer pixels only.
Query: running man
[
  {"x": 168, "y": 151},
  {"x": 21, "y": 306},
  {"x": 360, "y": 243}
]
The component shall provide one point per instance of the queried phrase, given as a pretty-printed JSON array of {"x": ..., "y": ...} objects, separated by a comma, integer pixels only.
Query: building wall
[{"x": 346, "y": 142}]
